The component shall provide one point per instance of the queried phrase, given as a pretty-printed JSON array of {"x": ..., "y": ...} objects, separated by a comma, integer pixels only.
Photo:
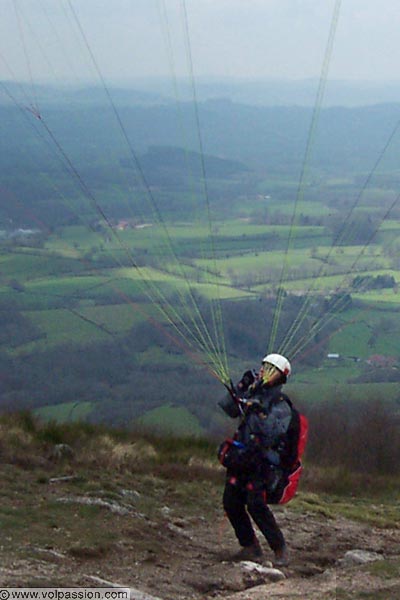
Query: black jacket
[{"x": 267, "y": 424}]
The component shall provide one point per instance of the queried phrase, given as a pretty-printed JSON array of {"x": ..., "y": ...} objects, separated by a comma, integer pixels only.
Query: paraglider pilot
[{"x": 257, "y": 456}]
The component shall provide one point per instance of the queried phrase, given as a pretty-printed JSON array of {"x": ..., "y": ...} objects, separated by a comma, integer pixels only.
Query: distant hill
[
  {"x": 90, "y": 95},
  {"x": 269, "y": 139},
  {"x": 281, "y": 92},
  {"x": 162, "y": 159},
  {"x": 265, "y": 92},
  {"x": 242, "y": 144}
]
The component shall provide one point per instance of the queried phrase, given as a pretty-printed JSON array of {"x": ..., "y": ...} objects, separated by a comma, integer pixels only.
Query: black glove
[{"x": 247, "y": 379}]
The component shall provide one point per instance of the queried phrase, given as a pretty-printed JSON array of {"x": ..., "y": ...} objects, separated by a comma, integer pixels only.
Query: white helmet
[{"x": 280, "y": 362}]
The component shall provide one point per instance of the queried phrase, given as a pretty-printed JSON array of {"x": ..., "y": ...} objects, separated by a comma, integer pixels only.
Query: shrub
[{"x": 356, "y": 435}]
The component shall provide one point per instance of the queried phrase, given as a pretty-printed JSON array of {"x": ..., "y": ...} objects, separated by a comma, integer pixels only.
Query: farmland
[
  {"x": 81, "y": 289},
  {"x": 120, "y": 299}
]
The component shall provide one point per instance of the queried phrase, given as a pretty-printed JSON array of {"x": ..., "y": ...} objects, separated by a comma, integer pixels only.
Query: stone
[
  {"x": 267, "y": 572},
  {"x": 359, "y": 557}
]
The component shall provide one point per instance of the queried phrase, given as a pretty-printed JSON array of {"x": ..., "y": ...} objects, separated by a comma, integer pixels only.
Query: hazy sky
[{"x": 40, "y": 39}]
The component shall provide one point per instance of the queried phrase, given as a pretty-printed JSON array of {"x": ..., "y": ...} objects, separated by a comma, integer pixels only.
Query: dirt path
[{"x": 188, "y": 557}]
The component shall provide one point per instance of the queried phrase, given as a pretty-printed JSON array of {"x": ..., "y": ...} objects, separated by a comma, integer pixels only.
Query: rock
[
  {"x": 114, "y": 507},
  {"x": 131, "y": 494},
  {"x": 49, "y": 553},
  {"x": 267, "y": 572},
  {"x": 134, "y": 593},
  {"x": 250, "y": 565},
  {"x": 61, "y": 452},
  {"x": 64, "y": 479},
  {"x": 212, "y": 580},
  {"x": 359, "y": 557},
  {"x": 179, "y": 531}
]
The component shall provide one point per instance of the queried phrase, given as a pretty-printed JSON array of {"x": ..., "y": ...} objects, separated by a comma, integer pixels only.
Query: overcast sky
[{"x": 259, "y": 39}]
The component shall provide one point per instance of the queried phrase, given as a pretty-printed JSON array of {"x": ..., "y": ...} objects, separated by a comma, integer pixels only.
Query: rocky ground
[{"x": 167, "y": 538}]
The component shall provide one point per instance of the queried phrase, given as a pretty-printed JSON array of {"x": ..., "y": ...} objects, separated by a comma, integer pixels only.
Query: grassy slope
[{"x": 171, "y": 491}]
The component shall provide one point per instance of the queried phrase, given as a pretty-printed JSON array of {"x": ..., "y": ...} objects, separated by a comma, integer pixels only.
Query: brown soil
[{"x": 174, "y": 548}]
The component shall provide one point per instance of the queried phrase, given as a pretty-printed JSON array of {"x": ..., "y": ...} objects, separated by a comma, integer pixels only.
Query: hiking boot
[
  {"x": 281, "y": 557},
  {"x": 252, "y": 552}
]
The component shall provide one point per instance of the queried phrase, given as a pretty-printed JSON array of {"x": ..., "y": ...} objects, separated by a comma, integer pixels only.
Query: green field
[
  {"x": 243, "y": 272},
  {"x": 170, "y": 419},
  {"x": 84, "y": 288},
  {"x": 62, "y": 413},
  {"x": 314, "y": 388}
]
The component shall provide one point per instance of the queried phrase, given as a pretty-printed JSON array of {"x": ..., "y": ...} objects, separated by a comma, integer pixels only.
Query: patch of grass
[
  {"x": 385, "y": 516},
  {"x": 27, "y": 266},
  {"x": 67, "y": 286},
  {"x": 61, "y": 326},
  {"x": 11, "y": 522},
  {"x": 386, "y": 569},
  {"x": 377, "y": 512},
  {"x": 188, "y": 494},
  {"x": 355, "y": 336},
  {"x": 170, "y": 419},
  {"x": 65, "y": 412},
  {"x": 312, "y": 503},
  {"x": 328, "y": 384}
]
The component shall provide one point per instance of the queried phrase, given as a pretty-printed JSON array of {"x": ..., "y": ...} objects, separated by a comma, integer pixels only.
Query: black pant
[{"x": 244, "y": 497}]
